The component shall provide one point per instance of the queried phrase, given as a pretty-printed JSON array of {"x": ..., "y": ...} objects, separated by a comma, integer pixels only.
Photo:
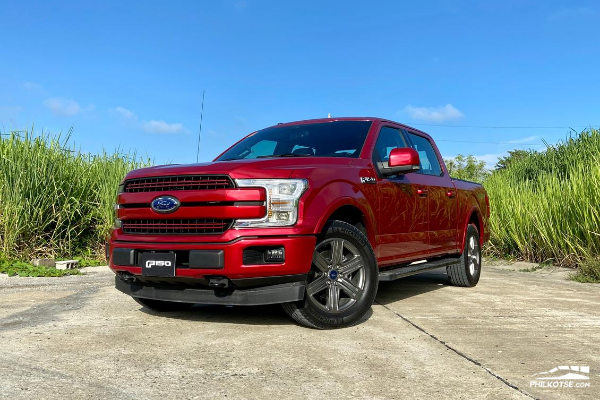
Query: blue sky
[{"x": 130, "y": 75}]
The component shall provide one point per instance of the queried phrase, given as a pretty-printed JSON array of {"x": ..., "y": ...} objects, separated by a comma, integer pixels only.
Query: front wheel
[
  {"x": 342, "y": 282},
  {"x": 467, "y": 272}
]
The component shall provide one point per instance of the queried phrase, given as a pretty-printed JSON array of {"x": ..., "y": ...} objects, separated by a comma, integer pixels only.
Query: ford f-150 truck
[{"x": 310, "y": 214}]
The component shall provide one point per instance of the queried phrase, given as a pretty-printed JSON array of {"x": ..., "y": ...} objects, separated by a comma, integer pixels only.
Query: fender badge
[{"x": 367, "y": 179}]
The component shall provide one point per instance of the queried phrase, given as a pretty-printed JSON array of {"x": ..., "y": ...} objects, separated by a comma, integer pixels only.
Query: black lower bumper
[{"x": 272, "y": 294}]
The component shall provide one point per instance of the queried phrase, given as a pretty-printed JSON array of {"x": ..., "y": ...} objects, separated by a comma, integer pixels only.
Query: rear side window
[
  {"x": 388, "y": 139},
  {"x": 429, "y": 161}
]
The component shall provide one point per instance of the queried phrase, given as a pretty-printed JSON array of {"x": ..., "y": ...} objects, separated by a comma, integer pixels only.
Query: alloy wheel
[
  {"x": 337, "y": 279},
  {"x": 473, "y": 256}
]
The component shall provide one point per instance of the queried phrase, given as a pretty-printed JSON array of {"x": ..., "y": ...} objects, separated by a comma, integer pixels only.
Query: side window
[
  {"x": 429, "y": 161},
  {"x": 389, "y": 138}
]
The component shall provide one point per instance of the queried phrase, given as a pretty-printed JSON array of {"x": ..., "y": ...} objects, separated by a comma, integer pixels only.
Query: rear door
[
  {"x": 403, "y": 204},
  {"x": 442, "y": 208}
]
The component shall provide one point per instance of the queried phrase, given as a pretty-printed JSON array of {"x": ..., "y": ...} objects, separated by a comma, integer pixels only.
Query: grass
[
  {"x": 56, "y": 201},
  {"x": 588, "y": 272},
  {"x": 19, "y": 268},
  {"x": 14, "y": 267},
  {"x": 545, "y": 205}
]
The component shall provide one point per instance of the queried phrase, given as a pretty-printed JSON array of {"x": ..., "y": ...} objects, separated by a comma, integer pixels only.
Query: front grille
[
  {"x": 182, "y": 182},
  {"x": 176, "y": 226}
]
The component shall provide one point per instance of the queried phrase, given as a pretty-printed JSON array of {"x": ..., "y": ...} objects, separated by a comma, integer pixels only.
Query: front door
[{"x": 403, "y": 205}]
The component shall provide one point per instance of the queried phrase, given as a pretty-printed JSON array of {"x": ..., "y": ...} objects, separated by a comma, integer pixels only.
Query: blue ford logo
[{"x": 165, "y": 204}]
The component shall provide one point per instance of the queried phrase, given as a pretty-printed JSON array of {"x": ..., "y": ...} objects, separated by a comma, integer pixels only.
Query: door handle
[
  {"x": 451, "y": 194},
  {"x": 422, "y": 192}
]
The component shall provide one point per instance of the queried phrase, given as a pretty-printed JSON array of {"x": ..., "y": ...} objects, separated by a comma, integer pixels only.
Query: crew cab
[{"x": 310, "y": 214}]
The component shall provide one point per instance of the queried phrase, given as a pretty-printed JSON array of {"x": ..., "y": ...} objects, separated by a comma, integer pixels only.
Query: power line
[
  {"x": 508, "y": 127},
  {"x": 471, "y": 141}
]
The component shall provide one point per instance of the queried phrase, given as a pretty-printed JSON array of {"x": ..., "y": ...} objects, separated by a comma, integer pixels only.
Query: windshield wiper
[{"x": 285, "y": 155}]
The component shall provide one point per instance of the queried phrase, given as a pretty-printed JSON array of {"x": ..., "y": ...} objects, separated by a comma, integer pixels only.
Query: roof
[{"x": 324, "y": 120}]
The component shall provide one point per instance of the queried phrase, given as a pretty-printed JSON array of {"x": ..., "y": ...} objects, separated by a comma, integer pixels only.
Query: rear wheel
[
  {"x": 467, "y": 272},
  {"x": 342, "y": 283},
  {"x": 161, "y": 305}
]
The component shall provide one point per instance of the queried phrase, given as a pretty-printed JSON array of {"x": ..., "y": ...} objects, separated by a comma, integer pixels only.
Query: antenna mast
[{"x": 200, "y": 130}]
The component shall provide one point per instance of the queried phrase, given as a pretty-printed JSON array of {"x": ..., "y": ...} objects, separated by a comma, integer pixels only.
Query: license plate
[{"x": 158, "y": 264}]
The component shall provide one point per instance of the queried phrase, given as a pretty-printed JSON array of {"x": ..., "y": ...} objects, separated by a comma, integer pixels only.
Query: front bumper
[
  {"x": 298, "y": 257},
  {"x": 271, "y": 294}
]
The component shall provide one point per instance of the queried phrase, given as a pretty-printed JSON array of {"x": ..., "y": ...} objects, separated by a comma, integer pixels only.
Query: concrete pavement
[{"x": 77, "y": 337}]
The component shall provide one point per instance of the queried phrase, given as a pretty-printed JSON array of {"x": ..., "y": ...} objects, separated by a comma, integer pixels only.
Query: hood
[{"x": 244, "y": 169}]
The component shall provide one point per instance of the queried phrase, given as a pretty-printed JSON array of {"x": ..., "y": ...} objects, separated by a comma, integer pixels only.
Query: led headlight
[{"x": 282, "y": 201}]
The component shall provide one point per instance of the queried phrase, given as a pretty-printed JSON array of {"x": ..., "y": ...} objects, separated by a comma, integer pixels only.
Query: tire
[
  {"x": 161, "y": 305},
  {"x": 467, "y": 272},
  {"x": 342, "y": 283}
]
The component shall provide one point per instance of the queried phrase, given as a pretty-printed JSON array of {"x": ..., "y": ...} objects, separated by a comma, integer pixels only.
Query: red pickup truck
[{"x": 310, "y": 214}]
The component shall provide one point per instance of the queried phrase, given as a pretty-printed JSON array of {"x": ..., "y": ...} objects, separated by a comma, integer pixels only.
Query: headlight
[
  {"x": 117, "y": 224},
  {"x": 282, "y": 201},
  {"x": 121, "y": 189}
]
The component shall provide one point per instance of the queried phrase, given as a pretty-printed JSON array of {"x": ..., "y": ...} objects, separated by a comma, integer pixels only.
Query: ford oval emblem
[{"x": 165, "y": 204}]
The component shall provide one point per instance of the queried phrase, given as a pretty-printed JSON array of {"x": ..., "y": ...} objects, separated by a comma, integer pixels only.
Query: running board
[{"x": 408, "y": 270}]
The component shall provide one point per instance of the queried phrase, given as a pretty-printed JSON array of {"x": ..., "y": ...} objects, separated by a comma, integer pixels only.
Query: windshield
[{"x": 328, "y": 139}]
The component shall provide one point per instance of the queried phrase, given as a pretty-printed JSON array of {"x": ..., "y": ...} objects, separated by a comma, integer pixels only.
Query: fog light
[{"x": 275, "y": 255}]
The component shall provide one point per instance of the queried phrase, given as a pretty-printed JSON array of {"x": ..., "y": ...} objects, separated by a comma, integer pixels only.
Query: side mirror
[{"x": 402, "y": 161}]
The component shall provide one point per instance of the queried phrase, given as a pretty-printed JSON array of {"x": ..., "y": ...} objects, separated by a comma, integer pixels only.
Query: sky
[{"x": 482, "y": 77}]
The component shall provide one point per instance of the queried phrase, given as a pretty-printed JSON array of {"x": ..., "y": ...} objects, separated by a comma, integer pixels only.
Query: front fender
[{"x": 334, "y": 195}]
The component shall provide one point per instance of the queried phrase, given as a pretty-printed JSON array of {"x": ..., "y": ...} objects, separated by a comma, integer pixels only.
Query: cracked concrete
[{"x": 77, "y": 337}]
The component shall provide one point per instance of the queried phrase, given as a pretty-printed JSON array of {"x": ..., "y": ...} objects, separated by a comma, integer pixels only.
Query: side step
[{"x": 408, "y": 270}]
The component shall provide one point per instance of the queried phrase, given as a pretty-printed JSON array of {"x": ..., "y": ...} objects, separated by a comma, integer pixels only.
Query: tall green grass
[
  {"x": 546, "y": 206},
  {"x": 57, "y": 201},
  {"x": 54, "y": 199}
]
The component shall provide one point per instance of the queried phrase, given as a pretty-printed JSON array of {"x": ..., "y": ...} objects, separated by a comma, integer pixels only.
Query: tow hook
[
  {"x": 127, "y": 278},
  {"x": 218, "y": 282}
]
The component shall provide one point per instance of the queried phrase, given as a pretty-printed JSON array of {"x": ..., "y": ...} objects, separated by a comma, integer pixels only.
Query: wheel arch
[
  {"x": 473, "y": 217},
  {"x": 349, "y": 210}
]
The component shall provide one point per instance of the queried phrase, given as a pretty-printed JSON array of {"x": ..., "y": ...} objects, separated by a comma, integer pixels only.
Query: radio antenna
[{"x": 200, "y": 130}]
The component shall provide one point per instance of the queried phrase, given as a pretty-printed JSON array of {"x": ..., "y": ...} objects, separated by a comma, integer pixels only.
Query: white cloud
[
  {"x": 528, "y": 139},
  {"x": 65, "y": 107},
  {"x": 490, "y": 159},
  {"x": 434, "y": 114},
  {"x": 32, "y": 86},
  {"x": 125, "y": 113},
  {"x": 154, "y": 126}
]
